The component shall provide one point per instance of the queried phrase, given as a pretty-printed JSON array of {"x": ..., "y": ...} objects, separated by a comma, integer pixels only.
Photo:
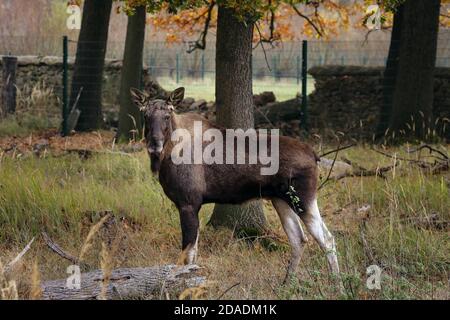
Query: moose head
[{"x": 157, "y": 120}]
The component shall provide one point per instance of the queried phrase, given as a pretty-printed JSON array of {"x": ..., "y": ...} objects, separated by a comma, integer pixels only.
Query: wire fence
[{"x": 280, "y": 61}]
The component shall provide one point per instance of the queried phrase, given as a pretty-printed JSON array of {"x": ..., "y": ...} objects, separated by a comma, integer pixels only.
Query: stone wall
[
  {"x": 46, "y": 72},
  {"x": 348, "y": 99}
]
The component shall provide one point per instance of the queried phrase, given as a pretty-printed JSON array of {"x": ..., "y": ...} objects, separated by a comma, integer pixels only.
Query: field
[
  {"x": 399, "y": 223},
  {"x": 283, "y": 89}
]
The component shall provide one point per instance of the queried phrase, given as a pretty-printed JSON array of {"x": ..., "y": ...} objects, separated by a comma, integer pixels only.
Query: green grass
[
  {"x": 205, "y": 89},
  {"x": 58, "y": 194}
]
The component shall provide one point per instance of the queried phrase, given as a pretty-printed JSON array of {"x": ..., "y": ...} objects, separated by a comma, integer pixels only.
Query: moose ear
[
  {"x": 139, "y": 98},
  {"x": 176, "y": 96}
]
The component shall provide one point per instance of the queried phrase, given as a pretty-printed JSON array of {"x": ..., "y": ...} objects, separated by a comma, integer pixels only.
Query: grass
[
  {"x": 385, "y": 222},
  {"x": 64, "y": 194},
  {"x": 284, "y": 89}
]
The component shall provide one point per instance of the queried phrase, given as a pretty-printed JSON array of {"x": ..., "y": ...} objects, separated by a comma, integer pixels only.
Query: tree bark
[
  {"x": 126, "y": 283},
  {"x": 414, "y": 86},
  {"x": 89, "y": 62},
  {"x": 234, "y": 103},
  {"x": 390, "y": 74},
  {"x": 129, "y": 115}
]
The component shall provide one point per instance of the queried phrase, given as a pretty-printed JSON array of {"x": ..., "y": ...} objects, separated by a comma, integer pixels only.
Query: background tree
[
  {"x": 129, "y": 115},
  {"x": 412, "y": 105},
  {"x": 90, "y": 57}
]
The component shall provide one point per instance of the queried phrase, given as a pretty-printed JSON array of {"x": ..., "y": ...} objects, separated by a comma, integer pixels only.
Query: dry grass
[
  {"x": 376, "y": 221},
  {"x": 37, "y": 109}
]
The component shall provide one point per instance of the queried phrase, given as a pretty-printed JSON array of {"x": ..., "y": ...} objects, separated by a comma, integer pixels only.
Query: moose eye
[{"x": 167, "y": 117}]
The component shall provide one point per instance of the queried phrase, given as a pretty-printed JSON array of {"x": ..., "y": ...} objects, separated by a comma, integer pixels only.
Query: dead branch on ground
[
  {"x": 347, "y": 168},
  {"x": 62, "y": 253},
  {"x": 14, "y": 261},
  {"x": 440, "y": 164}
]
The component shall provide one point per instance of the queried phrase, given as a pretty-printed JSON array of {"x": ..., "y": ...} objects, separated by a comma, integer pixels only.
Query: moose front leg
[{"x": 189, "y": 229}]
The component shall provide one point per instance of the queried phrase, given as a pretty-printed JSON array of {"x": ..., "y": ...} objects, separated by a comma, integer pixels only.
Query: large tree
[
  {"x": 412, "y": 101},
  {"x": 88, "y": 70},
  {"x": 129, "y": 115},
  {"x": 234, "y": 105}
]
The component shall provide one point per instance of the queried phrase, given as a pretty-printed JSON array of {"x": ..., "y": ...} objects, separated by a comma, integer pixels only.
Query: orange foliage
[
  {"x": 329, "y": 17},
  {"x": 324, "y": 18},
  {"x": 186, "y": 23}
]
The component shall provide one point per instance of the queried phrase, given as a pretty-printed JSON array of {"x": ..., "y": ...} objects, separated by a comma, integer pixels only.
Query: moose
[{"x": 292, "y": 190}]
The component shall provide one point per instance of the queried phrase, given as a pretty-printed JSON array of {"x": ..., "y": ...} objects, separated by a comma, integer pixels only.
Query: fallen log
[
  {"x": 127, "y": 283},
  {"x": 123, "y": 283}
]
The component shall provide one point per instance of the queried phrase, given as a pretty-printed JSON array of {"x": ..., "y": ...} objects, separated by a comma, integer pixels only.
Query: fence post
[
  {"x": 274, "y": 68},
  {"x": 304, "y": 107},
  {"x": 279, "y": 67},
  {"x": 150, "y": 69},
  {"x": 178, "y": 67},
  {"x": 65, "y": 93},
  {"x": 9, "y": 91},
  {"x": 203, "y": 66}
]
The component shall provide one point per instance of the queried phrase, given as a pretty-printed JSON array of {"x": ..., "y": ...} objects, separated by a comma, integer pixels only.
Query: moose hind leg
[
  {"x": 294, "y": 232},
  {"x": 321, "y": 234},
  {"x": 189, "y": 229}
]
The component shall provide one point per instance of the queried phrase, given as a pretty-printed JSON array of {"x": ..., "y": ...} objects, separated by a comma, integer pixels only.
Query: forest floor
[{"x": 399, "y": 223}]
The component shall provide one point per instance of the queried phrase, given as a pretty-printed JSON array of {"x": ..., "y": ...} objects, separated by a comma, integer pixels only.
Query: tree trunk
[
  {"x": 390, "y": 74},
  {"x": 89, "y": 62},
  {"x": 413, "y": 96},
  {"x": 234, "y": 103},
  {"x": 129, "y": 115}
]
